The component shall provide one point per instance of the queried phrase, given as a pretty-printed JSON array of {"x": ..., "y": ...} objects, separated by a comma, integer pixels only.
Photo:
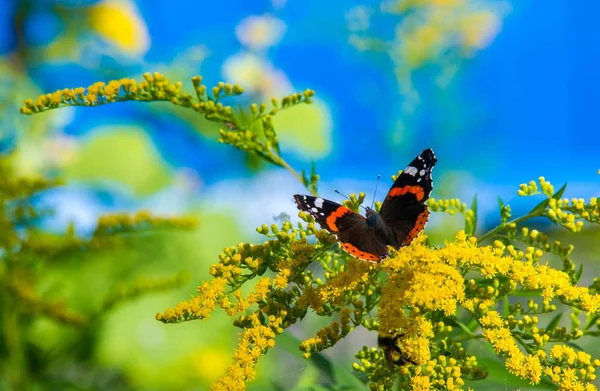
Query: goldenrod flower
[{"x": 254, "y": 343}]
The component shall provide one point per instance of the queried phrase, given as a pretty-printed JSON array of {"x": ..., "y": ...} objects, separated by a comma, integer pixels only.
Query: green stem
[
  {"x": 463, "y": 338},
  {"x": 501, "y": 227},
  {"x": 523, "y": 343},
  {"x": 285, "y": 165}
]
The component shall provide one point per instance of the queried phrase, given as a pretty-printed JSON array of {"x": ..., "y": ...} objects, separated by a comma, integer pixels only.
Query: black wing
[{"x": 404, "y": 208}]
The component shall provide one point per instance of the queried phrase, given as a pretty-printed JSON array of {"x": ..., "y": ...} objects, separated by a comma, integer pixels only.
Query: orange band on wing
[
  {"x": 419, "y": 225},
  {"x": 355, "y": 252},
  {"x": 336, "y": 214},
  {"x": 398, "y": 191}
]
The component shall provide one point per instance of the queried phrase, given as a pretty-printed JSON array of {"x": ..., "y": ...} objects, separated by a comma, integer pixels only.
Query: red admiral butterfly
[{"x": 402, "y": 216}]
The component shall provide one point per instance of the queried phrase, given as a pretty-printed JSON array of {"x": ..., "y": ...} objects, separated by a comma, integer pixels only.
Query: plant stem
[
  {"x": 285, "y": 165},
  {"x": 501, "y": 227}
]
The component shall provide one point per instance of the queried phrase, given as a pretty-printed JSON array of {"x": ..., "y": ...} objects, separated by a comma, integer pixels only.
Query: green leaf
[
  {"x": 500, "y": 203},
  {"x": 539, "y": 208},
  {"x": 335, "y": 374},
  {"x": 474, "y": 209},
  {"x": 575, "y": 346},
  {"x": 499, "y": 378},
  {"x": 527, "y": 292},
  {"x": 589, "y": 323},
  {"x": 305, "y": 180},
  {"x": 554, "y": 322},
  {"x": 560, "y": 192},
  {"x": 465, "y": 328},
  {"x": 314, "y": 178},
  {"x": 578, "y": 273},
  {"x": 505, "y": 305},
  {"x": 291, "y": 344}
]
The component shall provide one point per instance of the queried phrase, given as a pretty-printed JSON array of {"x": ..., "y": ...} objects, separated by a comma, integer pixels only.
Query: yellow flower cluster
[
  {"x": 531, "y": 188},
  {"x": 503, "y": 342},
  {"x": 441, "y": 373},
  {"x": 325, "y": 338},
  {"x": 199, "y": 307},
  {"x": 452, "y": 206},
  {"x": 576, "y": 376},
  {"x": 356, "y": 273},
  {"x": 580, "y": 369},
  {"x": 253, "y": 344},
  {"x": 423, "y": 280},
  {"x": 565, "y": 212},
  {"x": 281, "y": 280},
  {"x": 154, "y": 87}
]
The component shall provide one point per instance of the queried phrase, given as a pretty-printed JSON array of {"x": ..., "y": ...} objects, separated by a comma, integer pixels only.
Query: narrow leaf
[
  {"x": 305, "y": 180},
  {"x": 465, "y": 328},
  {"x": 505, "y": 305},
  {"x": 560, "y": 192},
  {"x": 527, "y": 292},
  {"x": 554, "y": 322},
  {"x": 474, "y": 209},
  {"x": 578, "y": 273},
  {"x": 539, "y": 207}
]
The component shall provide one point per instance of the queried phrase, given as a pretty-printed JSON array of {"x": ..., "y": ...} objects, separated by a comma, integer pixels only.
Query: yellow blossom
[
  {"x": 199, "y": 307},
  {"x": 281, "y": 280},
  {"x": 420, "y": 383},
  {"x": 120, "y": 23},
  {"x": 254, "y": 343}
]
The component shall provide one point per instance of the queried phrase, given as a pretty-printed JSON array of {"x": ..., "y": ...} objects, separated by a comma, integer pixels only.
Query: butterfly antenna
[
  {"x": 375, "y": 193},
  {"x": 336, "y": 190},
  {"x": 346, "y": 197}
]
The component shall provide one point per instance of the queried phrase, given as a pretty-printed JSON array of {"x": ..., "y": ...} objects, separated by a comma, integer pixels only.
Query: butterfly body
[
  {"x": 380, "y": 228},
  {"x": 401, "y": 218}
]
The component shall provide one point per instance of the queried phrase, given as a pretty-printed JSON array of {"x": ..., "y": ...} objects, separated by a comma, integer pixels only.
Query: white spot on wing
[
  {"x": 314, "y": 210},
  {"x": 410, "y": 170},
  {"x": 319, "y": 202},
  {"x": 422, "y": 172}
]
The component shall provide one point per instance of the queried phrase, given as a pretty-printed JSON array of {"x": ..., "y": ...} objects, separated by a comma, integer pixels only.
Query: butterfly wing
[
  {"x": 404, "y": 208},
  {"x": 351, "y": 228}
]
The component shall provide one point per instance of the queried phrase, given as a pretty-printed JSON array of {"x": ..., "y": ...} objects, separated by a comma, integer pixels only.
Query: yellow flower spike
[{"x": 199, "y": 307}]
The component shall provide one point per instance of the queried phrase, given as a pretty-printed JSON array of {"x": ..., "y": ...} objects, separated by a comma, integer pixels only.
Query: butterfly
[{"x": 402, "y": 216}]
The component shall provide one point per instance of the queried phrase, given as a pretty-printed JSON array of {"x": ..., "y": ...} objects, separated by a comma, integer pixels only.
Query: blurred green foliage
[{"x": 55, "y": 297}]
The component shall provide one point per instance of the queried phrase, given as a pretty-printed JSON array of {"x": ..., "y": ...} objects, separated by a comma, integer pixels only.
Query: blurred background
[{"x": 502, "y": 91}]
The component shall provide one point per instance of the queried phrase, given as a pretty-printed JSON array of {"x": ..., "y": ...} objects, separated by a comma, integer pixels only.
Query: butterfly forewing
[
  {"x": 413, "y": 185},
  {"x": 404, "y": 208}
]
